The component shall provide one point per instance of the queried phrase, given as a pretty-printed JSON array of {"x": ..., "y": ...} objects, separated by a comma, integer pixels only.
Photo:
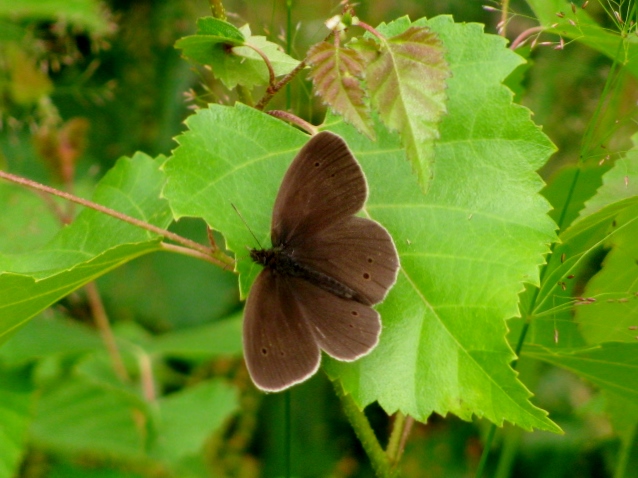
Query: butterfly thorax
[{"x": 282, "y": 263}]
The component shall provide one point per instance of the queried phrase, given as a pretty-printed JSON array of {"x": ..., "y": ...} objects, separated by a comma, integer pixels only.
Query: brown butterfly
[{"x": 326, "y": 268}]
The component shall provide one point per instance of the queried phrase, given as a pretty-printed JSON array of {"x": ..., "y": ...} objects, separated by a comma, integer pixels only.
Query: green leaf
[
  {"x": 586, "y": 31},
  {"x": 407, "y": 88},
  {"x": 335, "y": 73},
  {"x": 87, "y": 14},
  {"x": 577, "y": 245},
  {"x": 91, "y": 246},
  {"x": 79, "y": 417},
  {"x": 221, "y": 338},
  {"x": 466, "y": 247},
  {"x": 607, "y": 220},
  {"x": 188, "y": 418},
  {"x": 613, "y": 366},
  {"x": 16, "y": 401},
  {"x": 616, "y": 313},
  {"x": 28, "y": 224},
  {"x": 42, "y": 338},
  {"x": 219, "y": 45}
]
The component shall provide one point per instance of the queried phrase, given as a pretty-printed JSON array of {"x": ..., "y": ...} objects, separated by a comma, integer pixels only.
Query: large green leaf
[
  {"x": 91, "y": 246},
  {"x": 466, "y": 247},
  {"x": 16, "y": 400}
]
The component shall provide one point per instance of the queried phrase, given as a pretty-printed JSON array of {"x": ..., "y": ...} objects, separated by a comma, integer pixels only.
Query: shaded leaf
[
  {"x": 336, "y": 74},
  {"x": 612, "y": 366},
  {"x": 16, "y": 401},
  {"x": 407, "y": 83},
  {"x": 221, "y": 338},
  {"x": 78, "y": 417},
  {"x": 218, "y": 44},
  {"x": 616, "y": 284},
  {"x": 91, "y": 246},
  {"x": 188, "y": 418},
  {"x": 585, "y": 30}
]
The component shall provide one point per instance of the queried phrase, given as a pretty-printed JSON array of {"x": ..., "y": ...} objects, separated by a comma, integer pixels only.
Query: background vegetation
[{"x": 83, "y": 83}]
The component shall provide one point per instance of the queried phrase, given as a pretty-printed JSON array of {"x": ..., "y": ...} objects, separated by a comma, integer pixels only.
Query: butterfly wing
[
  {"x": 279, "y": 347},
  {"x": 324, "y": 184},
  {"x": 357, "y": 252},
  {"x": 344, "y": 328}
]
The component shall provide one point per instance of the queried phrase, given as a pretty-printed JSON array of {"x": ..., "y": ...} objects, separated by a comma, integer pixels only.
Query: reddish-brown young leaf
[
  {"x": 407, "y": 87},
  {"x": 336, "y": 73}
]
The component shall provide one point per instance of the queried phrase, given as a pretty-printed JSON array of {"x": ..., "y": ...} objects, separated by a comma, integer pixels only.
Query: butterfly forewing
[
  {"x": 279, "y": 347},
  {"x": 323, "y": 184}
]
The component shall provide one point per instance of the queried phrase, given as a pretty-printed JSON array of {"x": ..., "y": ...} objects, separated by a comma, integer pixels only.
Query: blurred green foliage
[{"x": 114, "y": 65}]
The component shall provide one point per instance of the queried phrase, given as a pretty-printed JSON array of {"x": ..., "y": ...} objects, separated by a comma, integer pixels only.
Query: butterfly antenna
[{"x": 246, "y": 224}]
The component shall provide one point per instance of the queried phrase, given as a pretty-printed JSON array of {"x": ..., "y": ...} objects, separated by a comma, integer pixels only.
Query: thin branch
[
  {"x": 103, "y": 325},
  {"x": 271, "y": 71},
  {"x": 217, "y": 257},
  {"x": 395, "y": 437},
  {"x": 407, "y": 428},
  {"x": 370, "y": 29},
  {"x": 272, "y": 91},
  {"x": 503, "y": 22},
  {"x": 146, "y": 374},
  {"x": 284, "y": 115}
]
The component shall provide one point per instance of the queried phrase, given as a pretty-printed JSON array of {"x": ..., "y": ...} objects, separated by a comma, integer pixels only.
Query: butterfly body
[
  {"x": 325, "y": 270},
  {"x": 282, "y": 263}
]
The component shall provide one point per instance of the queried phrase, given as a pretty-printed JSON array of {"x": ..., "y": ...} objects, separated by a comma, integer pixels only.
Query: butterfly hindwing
[
  {"x": 279, "y": 348},
  {"x": 344, "y": 328}
]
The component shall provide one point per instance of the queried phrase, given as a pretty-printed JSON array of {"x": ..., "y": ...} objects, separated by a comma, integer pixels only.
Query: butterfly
[{"x": 325, "y": 270}]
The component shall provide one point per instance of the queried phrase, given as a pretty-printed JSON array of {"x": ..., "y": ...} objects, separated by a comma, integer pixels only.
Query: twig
[
  {"x": 271, "y": 71},
  {"x": 103, "y": 325},
  {"x": 216, "y": 257},
  {"x": 285, "y": 115}
]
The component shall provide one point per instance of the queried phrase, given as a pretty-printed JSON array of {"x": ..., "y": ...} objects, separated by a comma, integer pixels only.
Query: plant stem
[
  {"x": 504, "y": 9},
  {"x": 103, "y": 325},
  {"x": 293, "y": 119},
  {"x": 625, "y": 453},
  {"x": 365, "y": 434},
  {"x": 271, "y": 71},
  {"x": 398, "y": 426},
  {"x": 215, "y": 256},
  {"x": 270, "y": 92},
  {"x": 217, "y": 7}
]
